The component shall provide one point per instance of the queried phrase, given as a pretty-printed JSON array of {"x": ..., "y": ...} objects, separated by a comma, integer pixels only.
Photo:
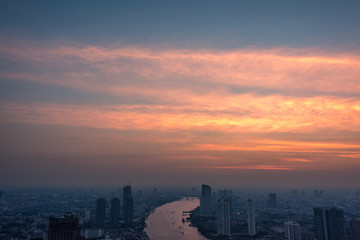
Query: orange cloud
[
  {"x": 194, "y": 157},
  {"x": 351, "y": 155},
  {"x": 255, "y": 114},
  {"x": 190, "y": 90},
  {"x": 279, "y": 146},
  {"x": 114, "y": 69},
  {"x": 256, "y": 167},
  {"x": 296, "y": 160}
]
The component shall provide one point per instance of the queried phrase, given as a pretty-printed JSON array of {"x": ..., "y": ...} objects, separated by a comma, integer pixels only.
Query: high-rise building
[
  {"x": 115, "y": 211},
  {"x": 272, "y": 200},
  {"x": 329, "y": 224},
  {"x": 226, "y": 194},
  {"x": 292, "y": 231},
  {"x": 65, "y": 228},
  {"x": 128, "y": 205},
  {"x": 223, "y": 217},
  {"x": 318, "y": 193},
  {"x": 155, "y": 193},
  {"x": 251, "y": 217},
  {"x": 100, "y": 212},
  {"x": 205, "y": 199},
  {"x": 205, "y": 190},
  {"x": 294, "y": 193},
  {"x": 193, "y": 191},
  {"x": 355, "y": 229},
  {"x": 214, "y": 199}
]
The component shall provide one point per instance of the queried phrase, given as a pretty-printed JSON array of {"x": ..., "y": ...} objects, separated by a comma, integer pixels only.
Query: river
[{"x": 166, "y": 221}]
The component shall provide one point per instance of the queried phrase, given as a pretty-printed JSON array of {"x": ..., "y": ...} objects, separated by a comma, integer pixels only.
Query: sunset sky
[{"x": 228, "y": 93}]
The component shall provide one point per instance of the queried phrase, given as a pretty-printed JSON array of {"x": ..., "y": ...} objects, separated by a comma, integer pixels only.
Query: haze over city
[{"x": 180, "y": 93}]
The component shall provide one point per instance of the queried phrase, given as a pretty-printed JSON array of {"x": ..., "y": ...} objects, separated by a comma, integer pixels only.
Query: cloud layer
[{"x": 298, "y": 108}]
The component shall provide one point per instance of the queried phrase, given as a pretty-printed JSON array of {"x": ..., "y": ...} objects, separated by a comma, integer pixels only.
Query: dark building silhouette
[
  {"x": 355, "y": 229},
  {"x": 65, "y": 228},
  {"x": 226, "y": 194},
  {"x": 205, "y": 190},
  {"x": 155, "y": 193},
  {"x": 292, "y": 231},
  {"x": 128, "y": 206},
  {"x": 223, "y": 217},
  {"x": 251, "y": 217},
  {"x": 272, "y": 200},
  {"x": 115, "y": 211},
  {"x": 318, "y": 193},
  {"x": 329, "y": 224},
  {"x": 294, "y": 193},
  {"x": 100, "y": 212},
  {"x": 206, "y": 199}
]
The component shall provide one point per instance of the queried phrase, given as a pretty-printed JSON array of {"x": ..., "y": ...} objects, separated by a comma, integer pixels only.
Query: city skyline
[{"x": 248, "y": 94}]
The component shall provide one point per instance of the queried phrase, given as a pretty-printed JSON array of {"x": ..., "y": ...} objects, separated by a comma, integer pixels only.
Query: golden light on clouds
[{"x": 211, "y": 96}]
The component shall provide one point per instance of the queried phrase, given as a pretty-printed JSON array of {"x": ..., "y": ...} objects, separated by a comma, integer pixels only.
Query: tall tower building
[
  {"x": 100, "y": 212},
  {"x": 355, "y": 229},
  {"x": 329, "y": 224},
  {"x": 251, "y": 217},
  {"x": 272, "y": 200},
  {"x": 128, "y": 205},
  {"x": 115, "y": 211},
  {"x": 223, "y": 217},
  {"x": 65, "y": 228},
  {"x": 226, "y": 194},
  {"x": 205, "y": 199},
  {"x": 155, "y": 193},
  {"x": 214, "y": 199},
  {"x": 294, "y": 193},
  {"x": 292, "y": 231}
]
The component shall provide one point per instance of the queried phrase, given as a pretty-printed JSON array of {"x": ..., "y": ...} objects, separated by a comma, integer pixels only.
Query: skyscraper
[
  {"x": 214, "y": 199},
  {"x": 226, "y": 194},
  {"x": 223, "y": 217},
  {"x": 205, "y": 199},
  {"x": 355, "y": 229},
  {"x": 292, "y": 231},
  {"x": 294, "y": 193},
  {"x": 329, "y": 224},
  {"x": 128, "y": 205},
  {"x": 115, "y": 211},
  {"x": 100, "y": 212},
  {"x": 272, "y": 200},
  {"x": 65, "y": 228},
  {"x": 155, "y": 193},
  {"x": 318, "y": 193},
  {"x": 251, "y": 218}
]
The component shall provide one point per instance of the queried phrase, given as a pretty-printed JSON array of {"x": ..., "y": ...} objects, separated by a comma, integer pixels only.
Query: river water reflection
[{"x": 166, "y": 221}]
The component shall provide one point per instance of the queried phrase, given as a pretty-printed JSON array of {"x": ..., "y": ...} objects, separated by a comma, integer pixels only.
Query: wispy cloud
[
  {"x": 296, "y": 160},
  {"x": 255, "y": 115},
  {"x": 256, "y": 167},
  {"x": 122, "y": 69}
]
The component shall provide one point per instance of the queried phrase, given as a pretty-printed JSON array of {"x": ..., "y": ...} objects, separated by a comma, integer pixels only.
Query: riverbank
[
  {"x": 160, "y": 202},
  {"x": 169, "y": 221},
  {"x": 206, "y": 225}
]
